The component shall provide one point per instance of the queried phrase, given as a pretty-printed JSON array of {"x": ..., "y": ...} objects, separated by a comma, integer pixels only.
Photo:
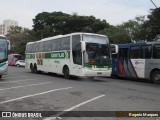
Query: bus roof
[
  {"x": 2, "y": 36},
  {"x": 127, "y": 45},
  {"x": 154, "y": 42},
  {"x": 76, "y": 33},
  {"x": 60, "y": 36}
]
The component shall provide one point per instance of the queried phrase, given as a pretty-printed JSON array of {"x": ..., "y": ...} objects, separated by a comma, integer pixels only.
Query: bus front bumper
[
  {"x": 3, "y": 70},
  {"x": 92, "y": 73}
]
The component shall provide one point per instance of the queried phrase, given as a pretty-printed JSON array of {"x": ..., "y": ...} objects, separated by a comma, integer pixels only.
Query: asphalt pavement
[{"x": 24, "y": 91}]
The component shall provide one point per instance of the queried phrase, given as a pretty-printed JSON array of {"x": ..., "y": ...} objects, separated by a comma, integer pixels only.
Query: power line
[{"x": 153, "y": 3}]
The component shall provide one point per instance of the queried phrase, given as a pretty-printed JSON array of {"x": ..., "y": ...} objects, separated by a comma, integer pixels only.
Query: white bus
[
  {"x": 75, "y": 54},
  {"x": 4, "y": 47},
  {"x": 137, "y": 60}
]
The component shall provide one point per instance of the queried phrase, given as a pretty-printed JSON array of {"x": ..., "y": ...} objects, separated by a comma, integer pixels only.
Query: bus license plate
[{"x": 99, "y": 73}]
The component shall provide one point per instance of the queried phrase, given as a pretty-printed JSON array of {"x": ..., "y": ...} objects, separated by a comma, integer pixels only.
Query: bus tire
[
  {"x": 35, "y": 69},
  {"x": 0, "y": 76},
  {"x": 32, "y": 69},
  {"x": 155, "y": 76},
  {"x": 66, "y": 72}
]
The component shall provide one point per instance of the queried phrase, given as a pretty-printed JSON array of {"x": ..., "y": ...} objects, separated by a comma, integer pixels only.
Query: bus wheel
[
  {"x": 66, "y": 72},
  {"x": 32, "y": 69},
  {"x": 0, "y": 76},
  {"x": 35, "y": 69},
  {"x": 155, "y": 76}
]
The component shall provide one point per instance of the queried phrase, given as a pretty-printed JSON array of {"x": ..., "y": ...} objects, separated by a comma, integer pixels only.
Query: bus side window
[
  {"x": 36, "y": 47},
  {"x": 146, "y": 52},
  {"x": 33, "y": 48},
  {"x": 48, "y": 46},
  {"x": 65, "y": 44},
  {"x": 123, "y": 53},
  {"x": 29, "y": 49},
  {"x": 41, "y": 46},
  {"x": 57, "y": 44},
  {"x": 156, "y": 51},
  {"x": 135, "y": 52}
]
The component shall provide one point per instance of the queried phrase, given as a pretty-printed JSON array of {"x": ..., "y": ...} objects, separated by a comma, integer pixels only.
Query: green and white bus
[{"x": 75, "y": 54}]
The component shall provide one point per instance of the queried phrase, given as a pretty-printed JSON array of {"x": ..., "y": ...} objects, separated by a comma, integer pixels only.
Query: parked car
[
  {"x": 12, "y": 59},
  {"x": 20, "y": 63}
]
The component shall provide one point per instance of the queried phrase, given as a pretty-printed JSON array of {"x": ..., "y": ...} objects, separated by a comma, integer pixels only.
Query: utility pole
[{"x": 153, "y": 3}]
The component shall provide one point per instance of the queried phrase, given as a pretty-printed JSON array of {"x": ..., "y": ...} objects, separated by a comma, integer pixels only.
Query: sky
[{"x": 113, "y": 11}]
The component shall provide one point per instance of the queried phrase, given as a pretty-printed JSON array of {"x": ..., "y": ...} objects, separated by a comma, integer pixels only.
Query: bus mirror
[
  {"x": 83, "y": 46},
  {"x": 114, "y": 49},
  {"x": 9, "y": 45}
]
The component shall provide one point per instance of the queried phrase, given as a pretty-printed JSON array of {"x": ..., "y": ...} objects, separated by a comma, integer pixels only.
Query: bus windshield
[
  {"x": 97, "y": 54},
  {"x": 3, "y": 48},
  {"x": 95, "y": 39},
  {"x": 97, "y": 50}
]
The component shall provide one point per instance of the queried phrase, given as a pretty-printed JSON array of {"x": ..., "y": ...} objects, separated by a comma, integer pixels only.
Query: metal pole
[{"x": 153, "y": 3}]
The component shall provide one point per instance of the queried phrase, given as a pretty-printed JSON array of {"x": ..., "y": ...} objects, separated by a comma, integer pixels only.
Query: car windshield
[{"x": 17, "y": 57}]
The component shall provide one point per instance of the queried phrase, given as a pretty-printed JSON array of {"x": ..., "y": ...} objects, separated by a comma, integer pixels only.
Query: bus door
[
  {"x": 123, "y": 62},
  {"x": 114, "y": 64},
  {"x": 77, "y": 55}
]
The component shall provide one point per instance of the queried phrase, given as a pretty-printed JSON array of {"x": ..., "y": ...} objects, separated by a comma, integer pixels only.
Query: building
[
  {"x": 7, "y": 24},
  {"x": 2, "y": 29}
]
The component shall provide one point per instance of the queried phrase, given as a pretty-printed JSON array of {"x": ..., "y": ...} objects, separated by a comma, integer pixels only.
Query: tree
[
  {"x": 15, "y": 29},
  {"x": 134, "y": 28},
  {"x": 126, "y": 32},
  {"x": 152, "y": 25},
  {"x": 116, "y": 35},
  {"x": 19, "y": 39},
  {"x": 50, "y": 24}
]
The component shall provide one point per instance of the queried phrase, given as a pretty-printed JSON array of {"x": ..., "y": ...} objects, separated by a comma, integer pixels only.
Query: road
[{"x": 22, "y": 90}]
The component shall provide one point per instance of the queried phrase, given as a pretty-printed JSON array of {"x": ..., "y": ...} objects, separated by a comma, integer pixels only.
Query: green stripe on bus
[
  {"x": 30, "y": 56},
  {"x": 96, "y": 66},
  {"x": 51, "y": 55}
]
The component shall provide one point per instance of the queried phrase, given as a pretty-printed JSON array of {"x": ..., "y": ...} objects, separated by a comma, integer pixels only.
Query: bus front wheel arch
[
  {"x": 66, "y": 72},
  {"x": 155, "y": 76}
]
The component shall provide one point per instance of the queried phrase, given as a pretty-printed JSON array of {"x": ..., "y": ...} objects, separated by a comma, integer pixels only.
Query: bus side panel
[
  {"x": 151, "y": 64},
  {"x": 131, "y": 69},
  {"x": 126, "y": 68},
  {"x": 139, "y": 66}
]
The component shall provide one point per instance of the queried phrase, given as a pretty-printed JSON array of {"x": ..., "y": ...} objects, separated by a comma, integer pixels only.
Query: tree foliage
[
  {"x": 19, "y": 38},
  {"x": 116, "y": 34},
  {"x": 50, "y": 24},
  {"x": 152, "y": 25},
  {"x": 47, "y": 24},
  {"x": 126, "y": 32}
]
